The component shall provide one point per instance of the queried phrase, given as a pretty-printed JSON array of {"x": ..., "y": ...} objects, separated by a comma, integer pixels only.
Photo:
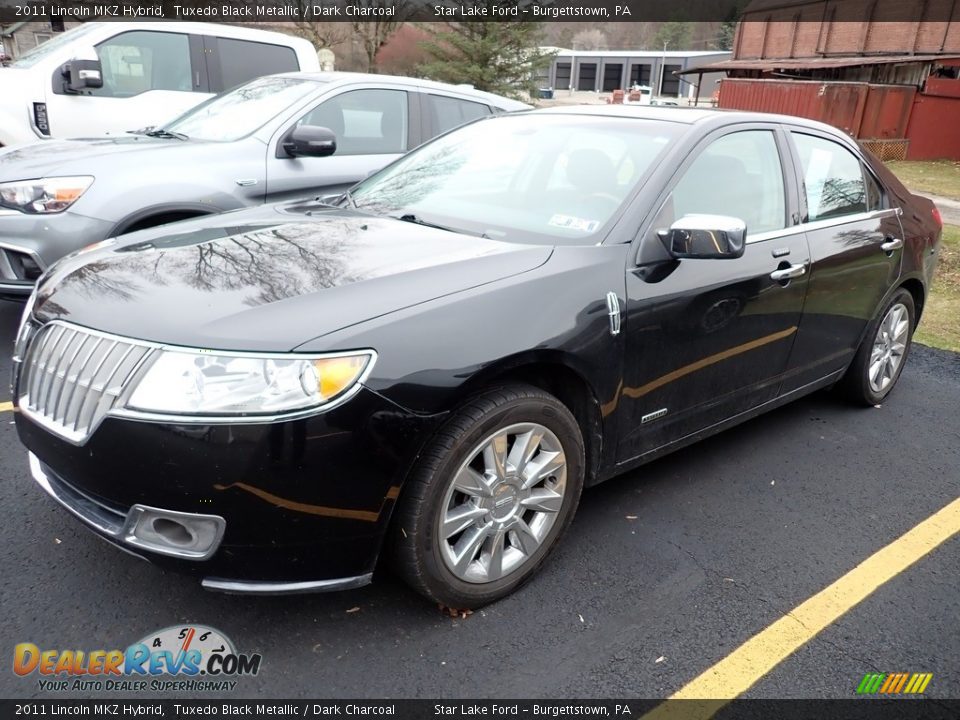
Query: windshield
[
  {"x": 239, "y": 112},
  {"x": 44, "y": 49},
  {"x": 522, "y": 178}
]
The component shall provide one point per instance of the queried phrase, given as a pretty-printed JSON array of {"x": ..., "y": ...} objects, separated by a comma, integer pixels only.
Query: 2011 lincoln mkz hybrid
[{"x": 429, "y": 369}]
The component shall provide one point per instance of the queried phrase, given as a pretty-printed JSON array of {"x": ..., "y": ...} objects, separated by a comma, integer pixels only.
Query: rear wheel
[
  {"x": 490, "y": 498},
  {"x": 878, "y": 363}
]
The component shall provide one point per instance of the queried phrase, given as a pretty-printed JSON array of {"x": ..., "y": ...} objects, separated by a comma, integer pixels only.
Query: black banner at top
[{"x": 275, "y": 11}]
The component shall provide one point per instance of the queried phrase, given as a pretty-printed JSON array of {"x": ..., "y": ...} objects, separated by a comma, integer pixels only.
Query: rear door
[
  {"x": 707, "y": 339},
  {"x": 232, "y": 62},
  {"x": 373, "y": 125},
  {"x": 856, "y": 251}
]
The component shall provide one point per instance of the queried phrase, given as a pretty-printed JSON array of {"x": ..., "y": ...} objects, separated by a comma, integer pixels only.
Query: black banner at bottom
[{"x": 925, "y": 708}]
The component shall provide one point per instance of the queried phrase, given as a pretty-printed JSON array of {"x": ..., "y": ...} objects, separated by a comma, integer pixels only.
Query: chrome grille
[{"x": 72, "y": 377}]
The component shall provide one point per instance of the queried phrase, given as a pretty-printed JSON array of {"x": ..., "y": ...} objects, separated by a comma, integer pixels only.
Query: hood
[
  {"x": 86, "y": 156},
  {"x": 271, "y": 278}
]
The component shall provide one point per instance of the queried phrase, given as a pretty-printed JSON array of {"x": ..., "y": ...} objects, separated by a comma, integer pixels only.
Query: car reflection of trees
[
  {"x": 408, "y": 187},
  {"x": 712, "y": 311},
  {"x": 841, "y": 197},
  {"x": 274, "y": 263},
  {"x": 707, "y": 312}
]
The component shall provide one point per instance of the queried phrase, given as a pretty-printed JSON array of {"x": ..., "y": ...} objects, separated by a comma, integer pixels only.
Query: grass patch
[
  {"x": 939, "y": 177},
  {"x": 940, "y": 325}
]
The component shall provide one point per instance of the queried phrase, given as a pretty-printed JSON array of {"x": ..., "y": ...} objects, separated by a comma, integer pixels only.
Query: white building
[{"x": 609, "y": 70}]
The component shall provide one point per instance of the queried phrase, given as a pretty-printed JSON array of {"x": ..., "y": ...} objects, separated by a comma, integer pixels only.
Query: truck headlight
[
  {"x": 43, "y": 196},
  {"x": 230, "y": 385}
]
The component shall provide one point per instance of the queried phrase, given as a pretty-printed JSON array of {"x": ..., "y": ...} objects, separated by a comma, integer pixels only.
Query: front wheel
[
  {"x": 489, "y": 498},
  {"x": 878, "y": 363}
]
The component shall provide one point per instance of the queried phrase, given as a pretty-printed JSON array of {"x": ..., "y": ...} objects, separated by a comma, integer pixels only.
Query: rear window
[
  {"x": 243, "y": 60},
  {"x": 448, "y": 113}
]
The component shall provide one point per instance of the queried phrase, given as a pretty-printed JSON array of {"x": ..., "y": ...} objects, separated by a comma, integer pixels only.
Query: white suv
[{"x": 104, "y": 78}]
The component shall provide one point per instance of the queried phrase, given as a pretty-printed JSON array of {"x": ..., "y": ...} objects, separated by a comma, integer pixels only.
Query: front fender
[{"x": 15, "y": 132}]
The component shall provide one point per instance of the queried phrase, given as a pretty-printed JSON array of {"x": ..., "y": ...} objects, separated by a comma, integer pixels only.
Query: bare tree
[
  {"x": 374, "y": 26},
  {"x": 590, "y": 40},
  {"x": 322, "y": 34}
]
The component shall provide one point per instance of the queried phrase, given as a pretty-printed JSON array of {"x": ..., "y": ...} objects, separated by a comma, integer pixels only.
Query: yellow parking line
[
  {"x": 741, "y": 669},
  {"x": 6, "y": 407}
]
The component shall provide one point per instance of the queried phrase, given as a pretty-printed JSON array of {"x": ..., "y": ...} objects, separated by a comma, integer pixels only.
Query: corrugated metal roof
[{"x": 814, "y": 63}]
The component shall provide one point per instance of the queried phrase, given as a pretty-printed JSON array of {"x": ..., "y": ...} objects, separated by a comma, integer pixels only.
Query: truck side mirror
[{"x": 80, "y": 75}]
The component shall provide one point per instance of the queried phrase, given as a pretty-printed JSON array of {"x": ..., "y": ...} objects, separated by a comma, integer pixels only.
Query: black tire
[
  {"x": 856, "y": 382},
  {"x": 415, "y": 537}
]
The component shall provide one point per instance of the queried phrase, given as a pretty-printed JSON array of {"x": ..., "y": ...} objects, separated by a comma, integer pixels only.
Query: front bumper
[
  {"x": 304, "y": 504},
  {"x": 40, "y": 240}
]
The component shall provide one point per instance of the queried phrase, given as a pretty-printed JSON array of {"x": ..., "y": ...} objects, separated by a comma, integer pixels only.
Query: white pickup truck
[{"x": 103, "y": 78}]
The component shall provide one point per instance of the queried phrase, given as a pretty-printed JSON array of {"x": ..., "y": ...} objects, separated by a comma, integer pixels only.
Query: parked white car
[{"x": 104, "y": 78}]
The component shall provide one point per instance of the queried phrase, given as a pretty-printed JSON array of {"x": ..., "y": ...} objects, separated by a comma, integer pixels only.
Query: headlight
[
  {"x": 203, "y": 384},
  {"x": 44, "y": 196}
]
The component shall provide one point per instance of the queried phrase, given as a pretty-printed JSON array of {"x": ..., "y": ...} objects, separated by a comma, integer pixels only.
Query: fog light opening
[
  {"x": 191, "y": 536},
  {"x": 173, "y": 532}
]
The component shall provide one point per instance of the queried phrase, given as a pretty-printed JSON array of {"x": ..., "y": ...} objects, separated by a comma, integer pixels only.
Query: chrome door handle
[
  {"x": 891, "y": 244},
  {"x": 788, "y": 273}
]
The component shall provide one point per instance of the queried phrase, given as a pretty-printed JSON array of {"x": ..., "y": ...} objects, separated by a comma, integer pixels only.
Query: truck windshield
[
  {"x": 44, "y": 50},
  {"x": 239, "y": 112}
]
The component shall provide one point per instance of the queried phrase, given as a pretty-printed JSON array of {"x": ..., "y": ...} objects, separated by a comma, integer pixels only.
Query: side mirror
[
  {"x": 309, "y": 141},
  {"x": 705, "y": 237},
  {"x": 81, "y": 74}
]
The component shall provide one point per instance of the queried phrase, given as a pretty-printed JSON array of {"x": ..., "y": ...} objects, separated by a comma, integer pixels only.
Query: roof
[
  {"x": 686, "y": 115},
  {"x": 351, "y": 77},
  {"x": 815, "y": 63}
]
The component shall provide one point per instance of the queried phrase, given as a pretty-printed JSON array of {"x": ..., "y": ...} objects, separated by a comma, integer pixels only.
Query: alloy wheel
[
  {"x": 502, "y": 502},
  {"x": 889, "y": 347}
]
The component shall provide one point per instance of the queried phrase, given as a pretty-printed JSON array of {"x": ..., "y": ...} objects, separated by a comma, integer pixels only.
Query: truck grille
[{"x": 72, "y": 377}]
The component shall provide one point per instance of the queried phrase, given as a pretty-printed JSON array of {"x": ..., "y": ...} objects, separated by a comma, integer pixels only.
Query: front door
[
  {"x": 149, "y": 78},
  {"x": 372, "y": 126},
  {"x": 707, "y": 339}
]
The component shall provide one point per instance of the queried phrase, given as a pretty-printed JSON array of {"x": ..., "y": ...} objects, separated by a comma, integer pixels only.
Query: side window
[
  {"x": 832, "y": 178},
  {"x": 874, "y": 193},
  {"x": 738, "y": 175},
  {"x": 448, "y": 113},
  {"x": 138, "y": 61},
  {"x": 366, "y": 122},
  {"x": 242, "y": 60}
]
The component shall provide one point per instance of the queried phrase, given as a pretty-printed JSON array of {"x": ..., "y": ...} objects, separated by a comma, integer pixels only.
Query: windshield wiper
[
  {"x": 161, "y": 133},
  {"x": 411, "y": 218},
  {"x": 348, "y": 197}
]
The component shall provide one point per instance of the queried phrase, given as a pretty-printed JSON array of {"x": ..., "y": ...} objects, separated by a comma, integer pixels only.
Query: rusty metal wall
[
  {"x": 928, "y": 119},
  {"x": 933, "y": 129},
  {"x": 840, "y": 104},
  {"x": 859, "y": 109},
  {"x": 887, "y": 112}
]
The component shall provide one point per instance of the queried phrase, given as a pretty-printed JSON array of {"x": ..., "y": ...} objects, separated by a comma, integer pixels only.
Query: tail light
[{"x": 937, "y": 218}]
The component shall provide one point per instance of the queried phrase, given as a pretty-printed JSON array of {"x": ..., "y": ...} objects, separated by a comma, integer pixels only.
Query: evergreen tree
[{"x": 498, "y": 57}]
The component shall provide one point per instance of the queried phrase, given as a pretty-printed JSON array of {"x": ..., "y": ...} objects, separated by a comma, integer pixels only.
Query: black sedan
[{"x": 429, "y": 369}]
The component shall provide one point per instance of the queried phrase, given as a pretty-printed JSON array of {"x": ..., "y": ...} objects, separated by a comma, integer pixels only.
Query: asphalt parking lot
[{"x": 664, "y": 573}]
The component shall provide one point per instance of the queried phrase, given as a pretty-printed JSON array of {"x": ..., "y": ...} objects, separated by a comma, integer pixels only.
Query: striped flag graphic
[{"x": 894, "y": 683}]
